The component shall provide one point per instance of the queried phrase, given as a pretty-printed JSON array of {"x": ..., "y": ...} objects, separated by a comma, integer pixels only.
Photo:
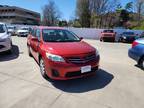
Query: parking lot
[{"x": 118, "y": 83}]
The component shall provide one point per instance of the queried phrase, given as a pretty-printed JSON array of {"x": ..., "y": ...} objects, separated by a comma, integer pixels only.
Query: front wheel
[
  {"x": 42, "y": 68},
  {"x": 29, "y": 53},
  {"x": 142, "y": 63}
]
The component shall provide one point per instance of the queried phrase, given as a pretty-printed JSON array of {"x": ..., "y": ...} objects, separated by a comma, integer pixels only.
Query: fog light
[{"x": 55, "y": 73}]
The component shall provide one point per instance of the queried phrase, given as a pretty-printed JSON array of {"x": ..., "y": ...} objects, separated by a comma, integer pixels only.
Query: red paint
[{"x": 64, "y": 49}]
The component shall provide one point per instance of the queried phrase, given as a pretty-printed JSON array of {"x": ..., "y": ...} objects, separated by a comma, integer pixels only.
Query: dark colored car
[
  {"x": 128, "y": 37},
  {"x": 137, "y": 52},
  {"x": 142, "y": 35},
  {"x": 61, "y": 54},
  {"x": 108, "y": 35}
]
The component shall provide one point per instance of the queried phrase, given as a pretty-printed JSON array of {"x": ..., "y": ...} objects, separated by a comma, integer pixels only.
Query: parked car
[
  {"x": 11, "y": 30},
  {"x": 5, "y": 39},
  {"x": 108, "y": 35},
  {"x": 61, "y": 54},
  {"x": 128, "y": 37},
  {"x": 23, "y": 31},
  {"x": 142, "y": 35},
  {"x": 137, "y": 52}
]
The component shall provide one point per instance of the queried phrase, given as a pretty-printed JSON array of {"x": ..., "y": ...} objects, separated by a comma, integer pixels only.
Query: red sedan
[
  {"x": 108, "y": 35},
  {"x": 61, "y": 54}
]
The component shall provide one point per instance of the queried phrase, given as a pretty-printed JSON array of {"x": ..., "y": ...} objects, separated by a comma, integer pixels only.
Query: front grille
[
  {"x": 21, "y": 33},
  {"x": 81, "y": 60},
  {"x": 78, "y": 73},
  {"x": 1, "y": 46},
  {"x": 108, "y": 35}
]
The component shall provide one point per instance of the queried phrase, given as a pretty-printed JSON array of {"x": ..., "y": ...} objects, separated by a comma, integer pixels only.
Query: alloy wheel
[{"x": 42, "y": 68}]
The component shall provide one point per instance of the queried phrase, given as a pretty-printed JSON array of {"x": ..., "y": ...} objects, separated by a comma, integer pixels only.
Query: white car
[
  {"x": 5, "y": 39},
  {"x": 24, "y": 31},
  {"x": 11, "y": 30}
]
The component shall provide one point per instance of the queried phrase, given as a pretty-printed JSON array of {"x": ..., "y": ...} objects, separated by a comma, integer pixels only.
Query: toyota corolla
[{"x": 61, "y": 54}]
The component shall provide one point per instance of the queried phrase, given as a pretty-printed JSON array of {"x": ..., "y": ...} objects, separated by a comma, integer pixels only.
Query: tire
[
  {"x": 9, "y": 51},
  {"x": 29, "y": 53},
  {"x": 120, "y": 40},
  {"x": 101, "y": 40},
  {"x": 141, "y": 63},
  {"x": 42, "y": 68}
]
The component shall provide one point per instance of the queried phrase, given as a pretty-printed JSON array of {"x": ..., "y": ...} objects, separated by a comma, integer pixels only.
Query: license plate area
[{"x": 85, "y": 69}]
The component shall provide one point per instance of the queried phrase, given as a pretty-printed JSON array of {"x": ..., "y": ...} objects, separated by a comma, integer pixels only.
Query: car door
[
  {"x": 36, "y": 41},
  {"x": 31, "y": 39}
]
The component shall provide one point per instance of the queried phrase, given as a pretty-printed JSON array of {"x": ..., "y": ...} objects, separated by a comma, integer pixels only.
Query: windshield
[
  {"x": 128, "y": 33},
  {"x": 55, "y": 35},
  {"x": 24, "y": 28},
  {"x": 10, "y": 27},
  {"x": 2, "y": 30},
  {"x": 108, "y": 31}
]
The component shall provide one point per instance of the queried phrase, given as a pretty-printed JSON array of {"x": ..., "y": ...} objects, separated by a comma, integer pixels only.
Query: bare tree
[
  {"x": 103, "y": 8},
  {"x": 140, "y": 8},
  {"x": 83, "y": 12},
  {"x": 51, "y": 14}
]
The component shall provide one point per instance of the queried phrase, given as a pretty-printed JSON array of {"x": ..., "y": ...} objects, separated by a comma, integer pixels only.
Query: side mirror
[{"x": 81, "y": 38}]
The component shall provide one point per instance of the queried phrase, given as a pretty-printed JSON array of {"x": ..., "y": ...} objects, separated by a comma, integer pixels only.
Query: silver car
[{"x": 5, "y": 39}]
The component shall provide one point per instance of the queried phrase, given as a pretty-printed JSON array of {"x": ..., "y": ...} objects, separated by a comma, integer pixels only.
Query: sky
[{"x": 66, "y": 7}]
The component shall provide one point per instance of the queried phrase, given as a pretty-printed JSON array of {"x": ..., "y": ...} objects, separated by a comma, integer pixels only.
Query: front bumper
[
  {"x": 5, "y": 45},
  {"x": 108, "y": 38},
  {"x": 69, "y": 71}
]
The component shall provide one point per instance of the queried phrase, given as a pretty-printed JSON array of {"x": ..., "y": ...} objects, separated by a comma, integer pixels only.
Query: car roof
[
  {"x": 141, "y": 40},
  {"x": 2, "y": 23}
]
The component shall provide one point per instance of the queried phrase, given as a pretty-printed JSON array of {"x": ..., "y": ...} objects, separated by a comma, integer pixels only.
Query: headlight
[
  {"x": 55, "y": 58},
  {"x": 124, "y": 37}
]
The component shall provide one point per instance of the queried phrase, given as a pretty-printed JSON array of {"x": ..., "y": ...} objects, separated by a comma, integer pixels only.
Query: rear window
[{"x": 108, "y": 31}]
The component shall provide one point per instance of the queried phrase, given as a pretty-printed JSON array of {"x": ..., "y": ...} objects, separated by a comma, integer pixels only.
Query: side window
[{"x": 38, "y": 34}]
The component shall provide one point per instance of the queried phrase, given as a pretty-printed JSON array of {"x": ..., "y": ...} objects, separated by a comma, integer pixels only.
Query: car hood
[
  {"x": 22, "y": 31},
  {"x": 69, "y": 48},
  {"x": 108, "y": 33}
]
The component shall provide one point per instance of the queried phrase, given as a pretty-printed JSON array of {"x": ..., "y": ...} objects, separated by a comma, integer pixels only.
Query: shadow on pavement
[
  {"x": 4, "y": 56},
  {"x": 99, "y": 81},
  {"x": 138, "y": 66}
]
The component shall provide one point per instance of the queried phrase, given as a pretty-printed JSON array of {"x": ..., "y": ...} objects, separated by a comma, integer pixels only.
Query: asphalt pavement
[{"x": 118, "y": 84}]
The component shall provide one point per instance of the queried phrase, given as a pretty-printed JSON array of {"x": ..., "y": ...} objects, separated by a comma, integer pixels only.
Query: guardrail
[{"x": 93, "y": 33}]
